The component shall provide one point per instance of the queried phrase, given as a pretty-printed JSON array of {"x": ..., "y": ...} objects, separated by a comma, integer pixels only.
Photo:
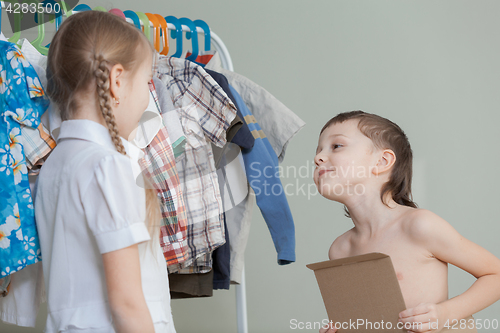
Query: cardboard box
[{"x": 361, "y": 290}]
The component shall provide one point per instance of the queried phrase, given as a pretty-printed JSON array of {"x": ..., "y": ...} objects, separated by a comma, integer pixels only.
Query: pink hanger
[{"x": 118, "y": 12}]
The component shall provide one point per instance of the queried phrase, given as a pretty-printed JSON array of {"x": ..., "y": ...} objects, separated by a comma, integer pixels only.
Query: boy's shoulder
[
  {"x": 421, "y": 224},
  {"x": 341, "y": 246}
]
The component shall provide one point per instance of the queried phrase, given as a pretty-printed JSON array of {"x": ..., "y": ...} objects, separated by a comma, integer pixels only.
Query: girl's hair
[
  {"x": 80, "y": 57},
  {"x": 385, "y": 135}
]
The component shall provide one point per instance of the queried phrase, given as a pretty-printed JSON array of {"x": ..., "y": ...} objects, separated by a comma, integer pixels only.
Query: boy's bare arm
[{"x": 446, "y": 244}]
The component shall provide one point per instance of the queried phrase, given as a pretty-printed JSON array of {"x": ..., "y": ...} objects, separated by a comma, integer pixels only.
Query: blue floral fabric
[{"x": 22, "y": 102}]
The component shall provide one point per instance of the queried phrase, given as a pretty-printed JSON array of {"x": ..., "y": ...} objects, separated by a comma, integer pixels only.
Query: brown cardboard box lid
[{"x": 362, "y": 289}]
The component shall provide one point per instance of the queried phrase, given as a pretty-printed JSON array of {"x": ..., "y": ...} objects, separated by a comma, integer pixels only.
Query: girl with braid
[{"x": 103, "y": 267}]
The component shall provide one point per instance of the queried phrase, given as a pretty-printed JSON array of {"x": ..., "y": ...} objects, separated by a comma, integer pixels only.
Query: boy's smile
[{"x": 323, "y": 171}]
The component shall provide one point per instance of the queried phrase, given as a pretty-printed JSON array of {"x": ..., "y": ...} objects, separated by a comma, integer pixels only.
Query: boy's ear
[{"x": 385, "y": 162}]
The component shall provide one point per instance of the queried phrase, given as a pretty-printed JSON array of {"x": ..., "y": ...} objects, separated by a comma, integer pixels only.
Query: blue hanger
[
  {"x": 176, "y": 34},
  {"x": 81, "y": 8},
  {"x": 193, "y": 35},
  {"x": 206, "y": 29},
  {"x": 133, "y": 16}
]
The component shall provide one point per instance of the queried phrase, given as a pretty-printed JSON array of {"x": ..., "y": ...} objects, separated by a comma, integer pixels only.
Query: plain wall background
[{"x": 430, "y": 66}]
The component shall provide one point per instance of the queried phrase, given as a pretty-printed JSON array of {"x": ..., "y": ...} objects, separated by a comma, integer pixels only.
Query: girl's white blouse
[{"x": 88, "y": 202}]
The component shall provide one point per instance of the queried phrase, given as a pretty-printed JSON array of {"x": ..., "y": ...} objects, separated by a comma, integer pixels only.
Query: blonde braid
[
  {"x": 153, "y": 212},
  {"x": 102, "y": 78}
]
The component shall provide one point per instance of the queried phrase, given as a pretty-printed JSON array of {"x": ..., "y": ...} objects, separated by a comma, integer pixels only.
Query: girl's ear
[{"x": 116, "y": 81}]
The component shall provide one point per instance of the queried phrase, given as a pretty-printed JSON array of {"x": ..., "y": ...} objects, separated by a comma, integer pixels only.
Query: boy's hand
[
  {"x": 431, "y": 316},
  {"x": 330, "y": 328}
]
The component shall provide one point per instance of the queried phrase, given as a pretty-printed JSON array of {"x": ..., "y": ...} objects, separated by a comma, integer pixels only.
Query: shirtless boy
[{"x": 364, "y": 161}]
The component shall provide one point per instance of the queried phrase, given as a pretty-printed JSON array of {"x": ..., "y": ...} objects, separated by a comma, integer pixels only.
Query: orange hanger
[
  {"x": 164, "y": 27},
  {"x": 156, "y": 25}
]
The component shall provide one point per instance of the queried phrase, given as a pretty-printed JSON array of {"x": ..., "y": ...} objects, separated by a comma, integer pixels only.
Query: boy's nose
[{"x": 319, "y": 159}]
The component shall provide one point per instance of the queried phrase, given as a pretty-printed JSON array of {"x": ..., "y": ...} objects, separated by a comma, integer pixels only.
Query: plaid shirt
[
  {"x": 37, "y": 144},
  {"x": 205, "y": 112},
  {"x": 158, "y": 165}
]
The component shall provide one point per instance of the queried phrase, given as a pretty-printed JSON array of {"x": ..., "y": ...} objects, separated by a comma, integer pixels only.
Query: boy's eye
[{"x": 336, "y": 146}]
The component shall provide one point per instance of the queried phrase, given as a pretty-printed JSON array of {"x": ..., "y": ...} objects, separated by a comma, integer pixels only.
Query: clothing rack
[{"x": 220, "y": 47}]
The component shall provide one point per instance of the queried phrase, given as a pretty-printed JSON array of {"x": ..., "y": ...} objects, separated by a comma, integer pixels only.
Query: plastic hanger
[
  {"x": 17, "y": 27},
  {"x": 37, "y": 43},
  {"x": 82, "y": 7},
  {"x": 133, "y": 16},
  {"x": 176, "y": 34},
  {"x": 58, "y": 15},
  {"x": 157, "y": 30},
  {"x": 164, "y": 28},
  {"x": 193, "y": 36},
  {"x": 118, "y": 13},
  {"x": 206, "y": 29},
  {"x": 100, "y": 8},
  {"x": 67, "y": 12},
  {"x": 145, "y": 24}
]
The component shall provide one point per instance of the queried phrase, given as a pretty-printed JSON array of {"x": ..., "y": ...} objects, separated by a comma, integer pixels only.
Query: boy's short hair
[{"x": 385, "y": 135}]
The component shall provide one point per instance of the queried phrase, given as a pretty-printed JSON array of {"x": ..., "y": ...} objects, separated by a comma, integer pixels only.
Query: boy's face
[{"x": 344, "y": 160}]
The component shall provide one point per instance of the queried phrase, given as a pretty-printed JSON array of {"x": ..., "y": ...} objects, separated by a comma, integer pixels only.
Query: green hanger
[
  {"x": 145, "y": 22},
  {"x": 100, "y": 8},
  {"x": 17, "y": 26},
  {"x": 65, "y": 10},
  {"x": 37, "y": 43}
]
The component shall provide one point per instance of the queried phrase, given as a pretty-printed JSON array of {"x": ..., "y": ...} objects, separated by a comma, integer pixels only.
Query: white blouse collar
[{"x": 92, "y": 131}]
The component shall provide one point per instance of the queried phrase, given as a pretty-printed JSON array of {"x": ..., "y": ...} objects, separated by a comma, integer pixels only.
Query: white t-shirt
[{"x": 87, "y": 203}]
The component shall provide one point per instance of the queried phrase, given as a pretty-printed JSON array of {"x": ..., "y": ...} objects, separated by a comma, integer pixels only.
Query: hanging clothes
[
  {"x": 170, "y": 117},
  {"x": 240, "y": 135},
  {"x": 191, "y": 285},
  {"x": 37, "y": 142},
  {"x": 278, "y": 124},
  {"x": 37, "y": 145},
  {"x": 26, "y": 293},
  {"x": 26, "y": 290},
  {"x": 22, "y": 102},
  {"x": 221, "y": 262},
  {"x": 159, "y": 165},
  {"x": 276, "y": 120},
  {"x": 205, "y": 111},
  {"x": 267, "y": 186},
  {"x": 239, "y": 220}
]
